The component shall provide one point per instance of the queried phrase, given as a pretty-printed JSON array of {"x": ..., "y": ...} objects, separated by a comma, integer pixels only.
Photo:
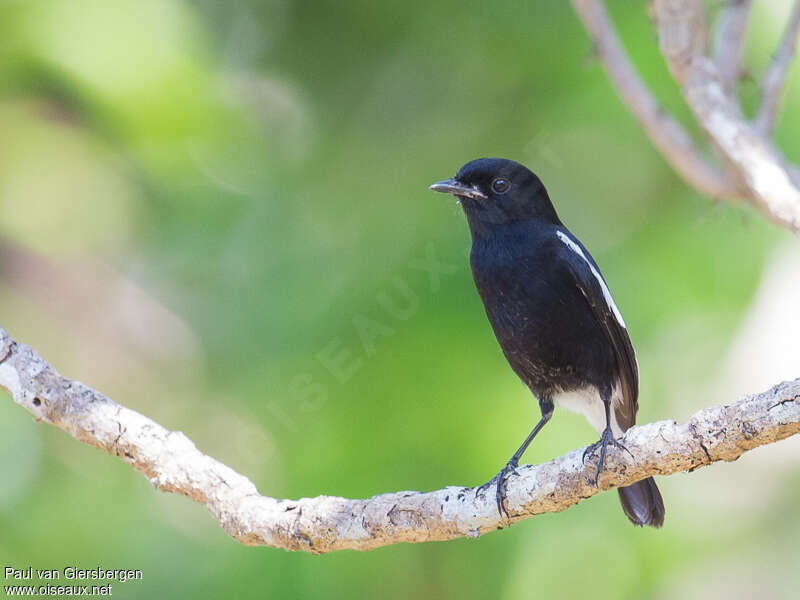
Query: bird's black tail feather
[{"x": 642, "y": 503}]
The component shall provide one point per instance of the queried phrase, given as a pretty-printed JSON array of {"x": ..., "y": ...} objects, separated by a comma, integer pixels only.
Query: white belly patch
[{"x": 587, "y": 402}]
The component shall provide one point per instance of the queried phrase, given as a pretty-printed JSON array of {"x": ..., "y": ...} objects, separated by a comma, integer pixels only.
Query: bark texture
[{"x": 172, "y": 463}]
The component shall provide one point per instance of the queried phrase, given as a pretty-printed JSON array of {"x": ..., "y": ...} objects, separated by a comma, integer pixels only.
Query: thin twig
[
  {"x": 729, "y": 41},
  {"x": 666, "y": 133},
  {"x": 767, "y": 176},
  {"x": 172, "y": 463},
  {"x": 775, "y": 77}
]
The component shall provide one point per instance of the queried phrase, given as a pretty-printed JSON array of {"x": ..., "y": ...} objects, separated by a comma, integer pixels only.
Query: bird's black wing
[{"x": 591, "y": 284}]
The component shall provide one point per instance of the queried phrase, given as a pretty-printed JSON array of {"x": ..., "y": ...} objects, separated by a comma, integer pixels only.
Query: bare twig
[
  {"x": 756, "y": 171},
  {"x": 666, "y": 133},
  {"x": 682, "y": 34},
  {"x": 172, "y": 463},
  {"x": 728, "y": 41},
  {"x": 681, "y": 28},
  {"x": 775, "y": 76}
]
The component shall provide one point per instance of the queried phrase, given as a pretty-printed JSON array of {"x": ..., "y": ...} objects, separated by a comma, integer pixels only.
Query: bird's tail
[{"x": 642, "y": 503}]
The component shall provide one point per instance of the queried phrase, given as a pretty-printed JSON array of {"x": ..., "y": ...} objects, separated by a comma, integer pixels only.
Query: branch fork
[{"x": 753, "y": 168}]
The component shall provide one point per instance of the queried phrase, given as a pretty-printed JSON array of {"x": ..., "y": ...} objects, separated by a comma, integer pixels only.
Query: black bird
[{"x": 552, "y": 314}]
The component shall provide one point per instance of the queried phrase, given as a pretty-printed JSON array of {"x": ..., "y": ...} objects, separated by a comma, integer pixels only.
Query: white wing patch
[{"x": 606, "y": 292}]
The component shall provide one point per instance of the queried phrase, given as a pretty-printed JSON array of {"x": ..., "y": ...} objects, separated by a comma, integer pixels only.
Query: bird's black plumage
[{"x": 551, "y": 312}]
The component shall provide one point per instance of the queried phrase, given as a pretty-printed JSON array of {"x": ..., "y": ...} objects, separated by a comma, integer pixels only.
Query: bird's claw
[
  {"x": 607, "y": 438},
  {"x": 500, "y": 481}
]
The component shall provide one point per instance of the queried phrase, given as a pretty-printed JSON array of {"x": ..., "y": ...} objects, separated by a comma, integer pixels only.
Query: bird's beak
[{"x": 455, "y": 187}]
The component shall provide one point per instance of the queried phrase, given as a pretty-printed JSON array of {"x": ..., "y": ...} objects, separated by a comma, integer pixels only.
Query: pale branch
[
  {"x": 172, "y": 463},
  {"x": 773, "y": 81},
  {"x": 755, "y": 169},
  {"x": 666, "y": 133},
  {"x": 682, "y": 29},
  {"x": 729, "y": 41}
]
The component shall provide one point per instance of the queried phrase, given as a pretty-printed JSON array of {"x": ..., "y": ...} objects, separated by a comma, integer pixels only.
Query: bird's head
[{"x": 496, "y": 191}]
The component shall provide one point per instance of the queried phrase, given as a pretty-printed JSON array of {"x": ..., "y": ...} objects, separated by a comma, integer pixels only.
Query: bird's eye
[{"x": 500, "y": 185}]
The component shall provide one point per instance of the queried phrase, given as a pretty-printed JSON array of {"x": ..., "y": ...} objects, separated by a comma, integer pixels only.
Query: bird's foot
[
  {"x": 500, "y": 481},
  {"x": 606, "y": 438}
]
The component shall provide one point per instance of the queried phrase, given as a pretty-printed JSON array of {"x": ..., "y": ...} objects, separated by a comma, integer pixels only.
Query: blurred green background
[{"x": 202, "y": 200}]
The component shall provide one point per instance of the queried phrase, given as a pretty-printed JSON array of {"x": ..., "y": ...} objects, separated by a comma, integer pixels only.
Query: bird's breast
[{"x": 538, "y": 314}]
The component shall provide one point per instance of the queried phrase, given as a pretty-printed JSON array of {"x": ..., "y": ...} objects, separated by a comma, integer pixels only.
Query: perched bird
[{"x": 552, "y": 314}]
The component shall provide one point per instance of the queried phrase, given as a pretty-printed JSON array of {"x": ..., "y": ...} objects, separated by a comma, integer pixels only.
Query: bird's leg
[
  {"x": 546, "y": 406},
  {"x": 606, "y": 438}
]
